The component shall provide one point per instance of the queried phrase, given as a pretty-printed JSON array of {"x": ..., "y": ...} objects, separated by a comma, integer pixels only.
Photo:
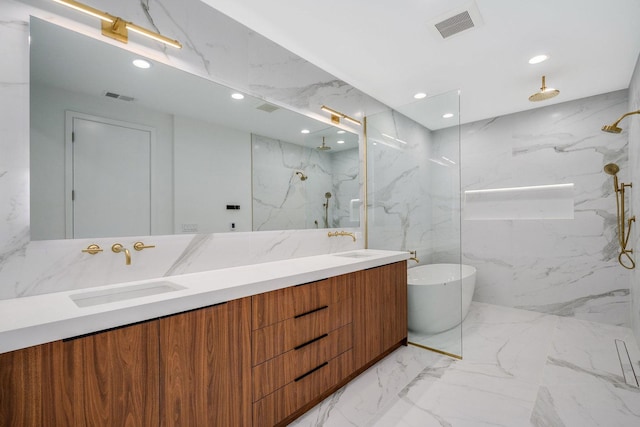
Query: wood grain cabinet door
[
  {"x": 205, "y": 360},
  {"x": 108, "y": 378},
  {"x": 380, "y": 311},
  {"x": 114, "y": 376}
]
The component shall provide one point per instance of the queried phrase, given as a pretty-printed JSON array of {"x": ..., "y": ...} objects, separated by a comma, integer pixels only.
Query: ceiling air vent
[
  {"x": 457, "y": 21},
  {"x": 455, "y": 24},
  {"x": 267, "y": 107},
  {"x": 118, "y": 96}
]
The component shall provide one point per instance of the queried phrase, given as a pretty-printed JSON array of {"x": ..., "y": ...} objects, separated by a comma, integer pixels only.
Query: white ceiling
[{"x": 389, "y": 49}]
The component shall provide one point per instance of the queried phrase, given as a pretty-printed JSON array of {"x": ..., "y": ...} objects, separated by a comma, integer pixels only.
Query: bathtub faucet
[{"x": 415, "y": 256}]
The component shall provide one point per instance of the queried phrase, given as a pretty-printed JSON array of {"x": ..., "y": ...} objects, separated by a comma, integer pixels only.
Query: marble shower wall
[
  {"x": 632, "y": 125},
  {"x": 562, "y": 267},
  {"x": 413, "y": 188},
  {"x": 281, "y": 200},
  {"x": 215, "y": 47}
]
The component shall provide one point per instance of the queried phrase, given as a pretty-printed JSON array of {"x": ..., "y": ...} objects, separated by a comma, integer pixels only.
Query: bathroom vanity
[{"x": 260, "y": 350}]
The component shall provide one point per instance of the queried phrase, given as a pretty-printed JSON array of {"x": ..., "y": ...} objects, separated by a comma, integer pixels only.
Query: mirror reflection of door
[{"x": 111, "y": 194}]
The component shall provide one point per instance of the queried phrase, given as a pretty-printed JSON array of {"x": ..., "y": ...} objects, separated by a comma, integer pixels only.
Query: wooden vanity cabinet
[
  {"x": 380, "y": 312},
  {"x": 205, "y": 366},
  {"x": 262, "y": 360},
  {"x": 302, "y": 343},
  {"x": 103, "y": 379}
]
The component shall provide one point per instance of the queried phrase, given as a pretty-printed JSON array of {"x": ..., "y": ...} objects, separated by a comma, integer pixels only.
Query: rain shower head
[
  {"x": 613, "y": 128},
  {"x": 323, "y": 147},
  {"x": 545, "y": 93},
  {"x": 327, "y": 195},
  {"x": 611, "y": 169}
]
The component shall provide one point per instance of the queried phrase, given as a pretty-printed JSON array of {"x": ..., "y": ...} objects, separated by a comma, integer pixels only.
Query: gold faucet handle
[
  {"x": 92, "y": 249},
  {"x": 138, "y": 246}
]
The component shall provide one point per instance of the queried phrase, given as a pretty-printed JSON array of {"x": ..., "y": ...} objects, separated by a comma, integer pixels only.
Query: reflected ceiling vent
[
  {"x": 267, "y": 107},
  {"x": 118, "y": 96},
  {"x": 455, "y": 22}
]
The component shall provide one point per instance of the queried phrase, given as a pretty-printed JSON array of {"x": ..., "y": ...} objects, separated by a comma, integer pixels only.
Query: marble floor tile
[{"x": 520, "y": 368}]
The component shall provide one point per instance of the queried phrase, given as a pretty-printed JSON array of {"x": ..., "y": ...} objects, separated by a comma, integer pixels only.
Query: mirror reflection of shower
[
  {"x": 327, "y": 196},
  {"x": 624, "y": 227}
]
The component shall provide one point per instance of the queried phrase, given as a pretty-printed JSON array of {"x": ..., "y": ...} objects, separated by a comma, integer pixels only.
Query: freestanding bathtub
[{"x": 435, "y": 300}]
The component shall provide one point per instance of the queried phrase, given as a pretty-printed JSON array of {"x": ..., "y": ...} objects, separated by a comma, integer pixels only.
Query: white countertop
[{"x": 29, "y": 321}]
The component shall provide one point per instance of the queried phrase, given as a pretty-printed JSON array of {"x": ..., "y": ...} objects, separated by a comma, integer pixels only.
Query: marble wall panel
[{"x": 564, "y": 267}]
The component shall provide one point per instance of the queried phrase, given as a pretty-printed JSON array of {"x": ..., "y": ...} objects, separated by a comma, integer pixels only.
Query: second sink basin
[
  {"x": 91, "y": 298},
  {"x": 355, "y": 255}
]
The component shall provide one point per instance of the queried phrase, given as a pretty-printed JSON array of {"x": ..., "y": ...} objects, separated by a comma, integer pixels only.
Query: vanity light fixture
[
  {"x": 237, "y": 96},
  {"x": 141, "y": 63},
  {"x": 115, "y": 27},
  {"x": 336, "y": 116}
]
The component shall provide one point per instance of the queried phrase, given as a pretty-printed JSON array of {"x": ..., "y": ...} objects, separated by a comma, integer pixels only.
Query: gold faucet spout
[
  {"x": 117, "y": 248},
  {"x": 342, "y": 233}
]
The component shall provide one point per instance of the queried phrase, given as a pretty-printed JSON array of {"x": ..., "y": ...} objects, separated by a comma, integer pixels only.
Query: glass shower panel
[{"x": 413, "y": 190}]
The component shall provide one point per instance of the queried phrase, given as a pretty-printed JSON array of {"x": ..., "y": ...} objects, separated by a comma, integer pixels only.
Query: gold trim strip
[
  {"x": 365, "y": 187},
  {"x": 455, "y": 356}
]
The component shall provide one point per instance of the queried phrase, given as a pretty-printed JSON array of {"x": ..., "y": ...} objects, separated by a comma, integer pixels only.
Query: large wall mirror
[{"x": 118, "y": 150}]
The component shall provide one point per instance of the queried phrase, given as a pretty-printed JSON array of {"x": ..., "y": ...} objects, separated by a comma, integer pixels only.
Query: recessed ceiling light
[
  {"x": 538, "y": 59},
  {"x": 304, "y": 131},
  {"x": 420, "y": 95},
  {"x": 447, "y": 115},
  {"x": 141, "y": 63},
  {"x": 341, "y": 132},
  {"x": 237, "y": 96},
  {"x": 340, "y": 142}
]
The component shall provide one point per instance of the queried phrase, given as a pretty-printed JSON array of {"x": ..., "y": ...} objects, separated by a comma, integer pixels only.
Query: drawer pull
[
  {"x": 310, "y": 341},
  {"x": 311, "y": 312},
  {"x": 311, "y": 371}
]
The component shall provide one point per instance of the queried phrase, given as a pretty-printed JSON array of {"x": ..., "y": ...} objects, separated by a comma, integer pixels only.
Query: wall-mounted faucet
[
  {"x": 117, "y": 248},
  {"x": 342, "y": 233},
  {"x": 414, "y": 256}
]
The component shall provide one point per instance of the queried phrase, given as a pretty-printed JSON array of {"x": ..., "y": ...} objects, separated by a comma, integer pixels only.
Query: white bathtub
[{"x": 434, "y": 292}]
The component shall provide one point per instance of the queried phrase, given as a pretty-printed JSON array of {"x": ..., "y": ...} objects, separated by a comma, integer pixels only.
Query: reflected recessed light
[
  {"x": 447, "y": 115},
  {"x": 304, "y": 131},
  {"x": 341, "y": 132},
  {"x": 420, "y": 95},
  {"x": 340, "y": 142},
  {"x": 141, "y": 63},
  {"x": 538, "y": 59},
  {"x": 237, "y": 96}
]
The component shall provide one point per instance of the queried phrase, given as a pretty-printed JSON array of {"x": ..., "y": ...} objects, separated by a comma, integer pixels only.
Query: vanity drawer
[
  {"x": 280, "y": 371},
  {"x": 281, "y": 337},
  {"x": 285, "y": 401},
  {"x": 272, "y": 307}
]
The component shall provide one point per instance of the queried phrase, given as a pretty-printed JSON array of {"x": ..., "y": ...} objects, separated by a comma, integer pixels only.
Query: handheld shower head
[
  {"x": 302, "y": 176},
  {"x": 613, "y": 128},
  {"x": 611, "y": 168}
]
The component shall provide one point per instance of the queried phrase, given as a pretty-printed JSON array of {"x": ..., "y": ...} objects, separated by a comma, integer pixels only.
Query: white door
[{"x": 111, "y": 178}]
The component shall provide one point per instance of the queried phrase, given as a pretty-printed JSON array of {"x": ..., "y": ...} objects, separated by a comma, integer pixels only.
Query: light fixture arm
[{"x": 117, "y": 28}]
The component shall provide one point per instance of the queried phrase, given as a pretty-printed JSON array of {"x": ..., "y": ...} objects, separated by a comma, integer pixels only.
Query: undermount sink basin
[
  {"x": 355, "y": 255},
  {"x": 91, "y": 298}
]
